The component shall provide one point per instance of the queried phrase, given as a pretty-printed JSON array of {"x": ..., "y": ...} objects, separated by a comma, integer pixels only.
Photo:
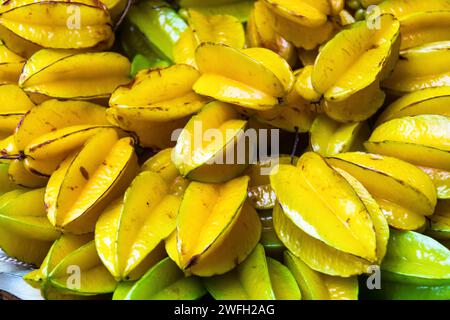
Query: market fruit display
[{"x": 227, "y": 150}]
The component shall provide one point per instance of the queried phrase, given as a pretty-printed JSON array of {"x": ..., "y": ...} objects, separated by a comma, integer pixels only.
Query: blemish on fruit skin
[{"x": 84, "y": 173}]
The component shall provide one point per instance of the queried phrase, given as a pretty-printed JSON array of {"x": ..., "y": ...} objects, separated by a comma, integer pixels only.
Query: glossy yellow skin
[
  {"x": 261, "y": 33},
  {"x": 441, "y": 179},
  {"x": 322, "y": 257},
  {"x": 95, "y": 280},
  {"x": 14, "y": 103},
  {"x": 252, "y": 78},
  {"x": 426, "y": 101},
  {"x": 194, "y": 152},
  {"x": 62, "y": 74},
  {"x": 161, "y": 163},
  {"x": 422, "y": 140},
  {"x": 60, "y": 249},
  {"x": 309, "y": 201},
  {"x": 6, "y": 184},
  {"x": 62, "y": 141},
  {"x": 11, "y": 65},
  {"x": 138, "y": 224},
  {"x": 424, "y": 27},
  {"x": 18, "y": 171},
  {"x": 358, "y": 49},
  {"x": 307, "y": 13},
  {"x": 46, "y": 24},
  {"x": 53, "y": 114},
  {"x": 155, "y": 135},
  {"x": 317, "y": 286},
  {"x": 358, "y": 107},
  {"x": 257, "y": 278},
  {"x": 300, "y": 31},
  {"x": 405, "y": 8},
  {"x": 18, "y": 45},
  {"x": 260, "y": 193},
  {"x": 239, "y": 9},
  {"x": 421, "y": 67},
  {"x": 88, "y": 180},
  {"x": 329, "y": 137},
  {"x": 69, "y": 251},
  {"x": 294, "y": 114},
  {"x": 21, "y": 175},
  {"x": 405, "y": 194},
  {"x": 184, "y": 49},
  {"x": 224, "y": 29},
  {"x": 171, "y": 97},
  {"x": 439, "y": 226},
  {"x": 303, "y": 85},
  {"x": 206, "y": 248},
  {"x": 26, "y": 234}
]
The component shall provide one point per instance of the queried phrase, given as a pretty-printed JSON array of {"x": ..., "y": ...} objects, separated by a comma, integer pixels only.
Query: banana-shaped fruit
[
  {"x": 11, "y": 65},
  {"x": 87, "y": 180},
  {"x": 137, "y": 224},
  {"x": 237, "y": 8},
  {"x": 439, "y": 225},
  {"x": 200, "y": 157},
  {"x": 413, "y": 258},
  {"x": 421, "y": 67},
  {"x": 159, "y": 95},
  {"x": 62, "y": 74},
  {"x": 14, "y": 103},
  {"x": 72, "y": 270},
  {"x": 424, "y": 27},
  {"x": 160, "y": 24},
  {"x": 272, "y": 245},
  {"x": 165, "y": 281},
  {"x": 422, "y": 140},
  {"x": 350, "y": 66},
  {"x": 58, "y": 24},
  {"x": 318, "y": 286},
  {"x": 18, "y": 45},
  {"x": 257, "y": 278},
  {"x": 253, "y": 78},
  {"x": 260, "y": 193},
  {"x": 405, "y": 194},
  {"x": 426, "y": 101},
  {"x": 54, "y": 128},
  {"x": 329, "y": 137},
  {"x": 217, "y": 28},
  {"x": 261, "y": 33},
  {"x": 304, "y": 23},
  {"x": 330, "y": 234},
  {"x": 204, "y": 248},
  {"x": 25, "y": 232}
]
